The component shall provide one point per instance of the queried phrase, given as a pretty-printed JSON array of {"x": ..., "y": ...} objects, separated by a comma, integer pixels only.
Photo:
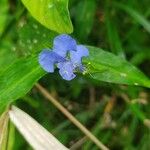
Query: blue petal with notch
[
  {"x": 76, "y": 56},
  {"x": 66, "y": 70},
  {"x": 64, "y": 43},
  {"x": 48, "y": 58}
]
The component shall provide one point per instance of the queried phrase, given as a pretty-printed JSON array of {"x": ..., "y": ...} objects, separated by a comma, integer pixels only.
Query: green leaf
[
  {"x": 33, "y": 37},
  {"x": 11, "y": 140},
  {"x": 105, "y": 66},
  {"x": 84, "y": 18},
  {"x": 113, "y": 35},
  {"x": 135, "y": 108},
  {"x": 18, "y": 79},
  {"x": 3, "y": 14},
  {"x": 135, "y": 15},
  {"x": 7, "y": 54},
  {"x": 140, "y": 57},
  {"x": 53, "y": 14}
]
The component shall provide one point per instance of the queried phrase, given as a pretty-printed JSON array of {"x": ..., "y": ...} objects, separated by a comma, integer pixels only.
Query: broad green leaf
[
  {"x": 53, "y": 14},
  {"x": 18, "y": 79},
  {"x": 7, "y": 54},
  {"x": 135, "y": 15},
  {"x": 33, "y": 37},
  {"x": 105, "y": 66}
]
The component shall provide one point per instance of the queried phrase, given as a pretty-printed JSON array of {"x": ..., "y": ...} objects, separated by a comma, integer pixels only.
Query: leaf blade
[
  {"x": 18, "y": 79},
  {"x": 84, "y": 18},
  {"x": 112, "y": 33},
  {"x": 52, "y": 14},
  {"x": 105, "y": 66},
  {"x": 135, "y": 15}
]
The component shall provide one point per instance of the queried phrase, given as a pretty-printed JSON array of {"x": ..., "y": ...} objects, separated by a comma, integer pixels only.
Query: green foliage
[
  {"x": 20, "y": 77},
  {"x": 113, "y": 35},
  {"x": 84, "y": 19},
  {"x": 52, "y": 14},
  {"x": 136, "y": 16},
  {"x": 101, "y": 65},
  {"x": 107, "y": 67},
  {"x": 33, "y": 37},
  {"x": 3, "y": 14},
  {"x": 6, "y": 50},
  {"x": 117, "y": 114}
]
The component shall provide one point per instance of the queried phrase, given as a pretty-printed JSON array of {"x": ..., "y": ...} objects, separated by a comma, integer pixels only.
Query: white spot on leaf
[
  {"x": 35, "y": 41},
  {"x": 136, "y": 83},
  {"x": 14, "y": 49},
  {"x": 35, "y": 26},
  {"x": 123, "y": 74},
  {"x": 50, "y": 5}
]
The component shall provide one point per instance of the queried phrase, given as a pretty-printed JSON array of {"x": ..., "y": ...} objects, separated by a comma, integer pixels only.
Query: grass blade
[
  {"x": 135, "y": 15},
  {"x": 3, "y": 130},
  {"x": 37, "y": 136}
]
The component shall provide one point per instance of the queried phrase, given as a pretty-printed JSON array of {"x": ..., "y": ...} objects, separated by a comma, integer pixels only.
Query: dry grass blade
[
  {"x": 37, "y": 136},
  {"x": 47, "y": 95},
  {"x": 3, "y": 130}
]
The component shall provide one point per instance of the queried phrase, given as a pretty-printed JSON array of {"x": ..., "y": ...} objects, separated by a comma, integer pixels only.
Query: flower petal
[
  {"x": 48, "y": 58},
  {"x": 66, "y": 70},
  {"x": 64, "y": 43},
  {"x": 76, "y": 56}
]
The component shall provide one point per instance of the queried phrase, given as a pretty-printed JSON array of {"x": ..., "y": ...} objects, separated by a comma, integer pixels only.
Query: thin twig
[{"x": 47, "y": 95}]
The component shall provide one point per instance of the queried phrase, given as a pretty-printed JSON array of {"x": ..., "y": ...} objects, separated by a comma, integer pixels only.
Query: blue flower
[
  {"x": 48, "y": 58},
  {"x": 64, "y": 43},
  {"x": 76, "y": 56},
  {"x": 66, "y": 70},
  {"x": 66, "y": 55}
]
